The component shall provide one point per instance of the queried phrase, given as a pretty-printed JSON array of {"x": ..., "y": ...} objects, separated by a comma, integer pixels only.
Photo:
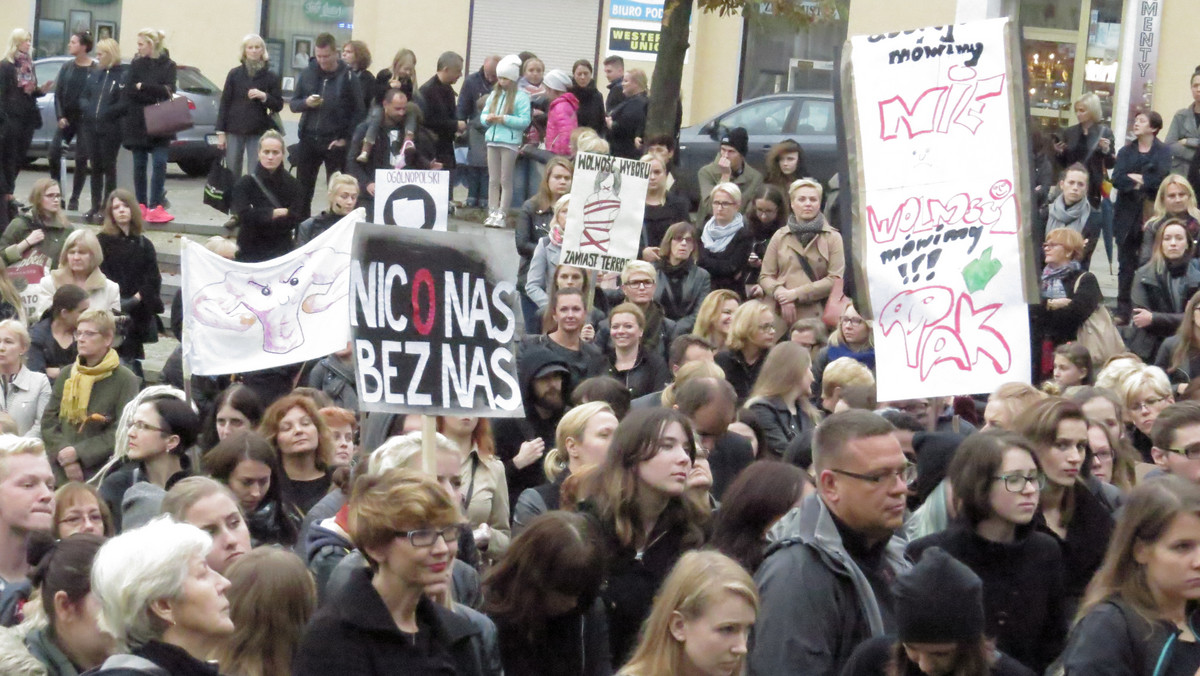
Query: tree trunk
[{"x": 668, "y": 69}]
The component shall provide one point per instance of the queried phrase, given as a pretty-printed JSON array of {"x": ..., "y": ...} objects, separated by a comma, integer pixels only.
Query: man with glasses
[
  {"x": 80, "y": 422},
  {"x": 639, "y": 283},
  {"x": 1176, "y": 438},
  {"x": 729, "y": 167},
  {"x": 825, "y": 582}
]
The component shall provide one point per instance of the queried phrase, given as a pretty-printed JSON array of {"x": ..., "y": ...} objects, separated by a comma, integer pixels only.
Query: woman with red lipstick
[
  {"x": 1068, "y": 510},
  {"x": 997, "y": 481},
  {"x": 382, "y": 620},
  {"x": 638, "y": 494},
  {"x": 209, "y": 506},
  {"x": 1139, "y": 615}
]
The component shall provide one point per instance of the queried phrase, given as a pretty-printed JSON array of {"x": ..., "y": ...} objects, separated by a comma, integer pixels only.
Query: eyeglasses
[
  {"x": 1148, "y": 403},
  {"x": 639, "y": 284},
  {"x": 854, "y": 321},
  {"x": 1015, "y": 483},
  {"x": 767, "y": 326},
  {"x": 54, "y": 195},
  {"x": 1192, "y": 452},
  {"x": 907, "y": 474},
  {"x": 142, "y": 427},
  {"x": 86, "y": 334},
  {"x": 425, "y": 537},
  {"x": 78, "y": 519},
  {"x": 724, "y": 204}
]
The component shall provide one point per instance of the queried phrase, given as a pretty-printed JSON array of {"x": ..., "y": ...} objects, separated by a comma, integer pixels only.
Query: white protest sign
[
  {"x": 412, "y": 199},
  {"x": 604, "y": 221},
  {"x": 939, "y": 198}
]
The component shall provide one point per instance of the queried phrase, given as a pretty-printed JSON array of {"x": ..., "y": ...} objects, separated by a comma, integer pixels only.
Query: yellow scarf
[{"x": 77, "y": 391}]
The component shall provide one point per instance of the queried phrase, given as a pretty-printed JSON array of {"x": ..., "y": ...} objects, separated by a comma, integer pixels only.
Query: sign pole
[{"x": 429, "y": 444}]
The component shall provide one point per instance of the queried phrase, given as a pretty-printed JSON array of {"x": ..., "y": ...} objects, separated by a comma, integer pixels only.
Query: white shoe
[{"x": 495, "y": 220}]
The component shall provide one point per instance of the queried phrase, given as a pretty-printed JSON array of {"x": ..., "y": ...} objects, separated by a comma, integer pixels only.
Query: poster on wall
[
  {"x": 633, "y": 40},
  {"x": 433, "y": 323},
  {"x": 412, "y": 199},
  {"x": 604, "y": 220},
  {"x": 242, "y": 317},
  {"x": 940, "y": 234}
]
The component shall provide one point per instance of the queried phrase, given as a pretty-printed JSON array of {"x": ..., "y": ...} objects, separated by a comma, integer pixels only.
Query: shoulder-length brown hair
[
  {"x": 673, "y": 233},
  {"x": 774, "y": 173},
  {"x": 1187, "y": 336},
  {"x": 1148, "y": 514},
  {"x": 544, "y": 200},
  {"x": 974, "y": 467},
  {"x": 558, "y": 553},
  {"x": 40, "y": 187},
  {"x": 616, "y": 489},
  {"x": 784, "y": 367},
  {"x": 136, "y": 226},
  {"x": 271, "y": 598},
  {"x": 481, "y": 436},
  {"x": 269, "y": 427}
]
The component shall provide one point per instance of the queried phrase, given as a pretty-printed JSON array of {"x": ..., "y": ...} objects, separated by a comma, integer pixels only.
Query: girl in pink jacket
[{"x": 560, "y": 120}]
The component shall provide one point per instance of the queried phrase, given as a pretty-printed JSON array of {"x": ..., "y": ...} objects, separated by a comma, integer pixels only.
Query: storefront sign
[
  {"x": 633, "y": 41},
  {"x": 604, "y": 221},
  {"x": 939, "y": 235},
  {"x": 433, "y": 324},
  {"x": 329, "y": 11},
  {"x": 636, "y": 10},
  {"x": 1139, "y": 62}
]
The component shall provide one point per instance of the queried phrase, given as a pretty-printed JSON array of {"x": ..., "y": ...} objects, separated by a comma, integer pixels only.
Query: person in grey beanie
[{"x": 938, "y": 606}]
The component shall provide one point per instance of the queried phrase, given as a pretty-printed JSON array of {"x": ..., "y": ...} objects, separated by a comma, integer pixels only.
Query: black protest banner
[{"x": 433, "y": 324}]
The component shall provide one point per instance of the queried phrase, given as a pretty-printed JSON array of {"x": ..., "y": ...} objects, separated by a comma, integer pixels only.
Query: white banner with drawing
[{"x": 604, "y": 221}]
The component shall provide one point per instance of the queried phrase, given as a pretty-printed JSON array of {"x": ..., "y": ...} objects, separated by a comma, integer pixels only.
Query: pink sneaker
[
  {"x": 159, "y": 215},
  {"x": 144, "y": 211}
]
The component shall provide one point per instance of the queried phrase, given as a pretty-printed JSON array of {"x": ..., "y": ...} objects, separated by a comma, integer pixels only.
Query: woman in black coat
[
  {"x": 641, "y": 371},
  {"x": 268, "y": 204},
  {"x": 19, "y": 115},
  {"x": 150, "y": 80},
  {"x": 780, "y": 401},
  {"x": 997, "y": 480},
  {"x": 250, "y": 97},
  {"x": 591, "y": 102},
  {"x": 103, "y": 104},
  {"x": 1141, "y": 167},
  {"x": 383, "y": 621},
  {"x": 1162, "y": 287},
  {"x": 627, "y": 122},
  {"x": 1070, "y": 294},
  {"x": 682, "y": 284},
  {"x": 131, "y": 261}
]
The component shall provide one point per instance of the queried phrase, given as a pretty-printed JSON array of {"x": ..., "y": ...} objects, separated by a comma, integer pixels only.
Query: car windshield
[{"x": 191, "y": 81}]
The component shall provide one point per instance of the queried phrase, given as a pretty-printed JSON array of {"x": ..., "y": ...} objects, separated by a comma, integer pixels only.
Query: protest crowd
[{"x": 702, "y": 480}]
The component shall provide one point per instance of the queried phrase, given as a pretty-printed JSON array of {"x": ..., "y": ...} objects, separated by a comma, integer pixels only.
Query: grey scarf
[
  {"x": 1073, "y": 217},
  {"x": 806, "y": 231}
]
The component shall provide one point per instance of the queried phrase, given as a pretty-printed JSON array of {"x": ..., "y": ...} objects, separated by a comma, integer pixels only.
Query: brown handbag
[{"x": 167, "y": 117}]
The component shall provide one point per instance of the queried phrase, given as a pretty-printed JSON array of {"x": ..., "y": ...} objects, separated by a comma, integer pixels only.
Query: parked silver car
[
  {"x": 805, "y": 117},
  {"x": 193, "y": 149}
]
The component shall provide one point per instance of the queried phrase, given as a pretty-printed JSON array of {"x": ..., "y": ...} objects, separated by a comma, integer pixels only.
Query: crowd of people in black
[{"x": 703, "y": 481}]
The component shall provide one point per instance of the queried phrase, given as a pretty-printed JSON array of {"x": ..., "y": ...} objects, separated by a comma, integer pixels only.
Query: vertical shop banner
[
  {"x": 939, "y": 202},
  {"x": 240, "y": 317},
  {"x": 604, "y": 221},
  {"x": 412, "y": 199},
  {"x": 433, "y": 323}
]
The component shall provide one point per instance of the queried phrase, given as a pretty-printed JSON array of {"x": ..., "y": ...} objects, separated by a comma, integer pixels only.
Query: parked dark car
[
  {"x": 193, "y": 149},
  {"x": 805, "y": 117}
]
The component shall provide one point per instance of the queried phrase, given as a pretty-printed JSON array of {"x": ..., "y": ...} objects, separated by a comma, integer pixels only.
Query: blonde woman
[
  {"x": 753, "y": 332},
  {"x": 38, "y": 237},
  {"x": 803, "y": 259},
  {"x": 581, "y": 440},
  {"x": 780, "y": 400},
  {"x": 715, "y": 317},
  {"x": 151, "y": 80},
  {"x": 506, "y": 115},
  {"x": 251, "y": 95},
  {"x": 19, "y": 92},
  {"x": 1007, "y": 402},
  {"x": 854, "y": 338},
  {"x": 79, "y": 265},
  {"x": 101, "y": 128},
  {"x": 1176, "y": 200},
  {"x": 546, "y": 256},
  {"x": 701, "y": 620},
  {"x": 627, "y": 120},
  {"x": 26, "y": 393},
  {"x": 343, "y": 198}
]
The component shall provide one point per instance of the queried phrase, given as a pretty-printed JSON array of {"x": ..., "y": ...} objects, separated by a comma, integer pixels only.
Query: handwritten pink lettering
[
  {"x": 936, "y": 109},
  {"x": 937, "y": 329},
  {"x": 922, "y": 214}
]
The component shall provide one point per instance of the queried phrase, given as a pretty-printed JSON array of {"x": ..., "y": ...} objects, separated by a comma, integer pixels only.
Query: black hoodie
[
  {"x": 510, "y": 433},
  {"x": 340, "y": 106}
]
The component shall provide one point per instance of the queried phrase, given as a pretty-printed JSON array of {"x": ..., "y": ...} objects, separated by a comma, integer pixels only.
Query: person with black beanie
[{"x": 939, "y": 627}]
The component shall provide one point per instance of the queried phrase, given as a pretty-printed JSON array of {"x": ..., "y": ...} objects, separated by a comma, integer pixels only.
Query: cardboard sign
[
  {"x": 604, "y": 221},
  {"x": 412, "y": 199},
  {"x": 433, "y": 323},
  {"x": 25, "y": 275},
  {"x": 939, "y": 198}
]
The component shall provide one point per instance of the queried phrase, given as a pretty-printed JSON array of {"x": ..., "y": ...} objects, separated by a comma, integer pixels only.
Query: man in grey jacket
[{"x": 825, "y": 584}]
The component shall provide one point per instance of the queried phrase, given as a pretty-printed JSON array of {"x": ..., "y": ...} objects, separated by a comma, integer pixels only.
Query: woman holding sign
[{"x": 803, "y": 259}]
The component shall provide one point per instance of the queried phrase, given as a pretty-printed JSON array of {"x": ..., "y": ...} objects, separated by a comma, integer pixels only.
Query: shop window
[
  {"x": 780, "y": 56},
  {"x": 1056, "y": 14},
  {"x": 292, "y": 27},
  {"x": 58, "y": 19}
]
